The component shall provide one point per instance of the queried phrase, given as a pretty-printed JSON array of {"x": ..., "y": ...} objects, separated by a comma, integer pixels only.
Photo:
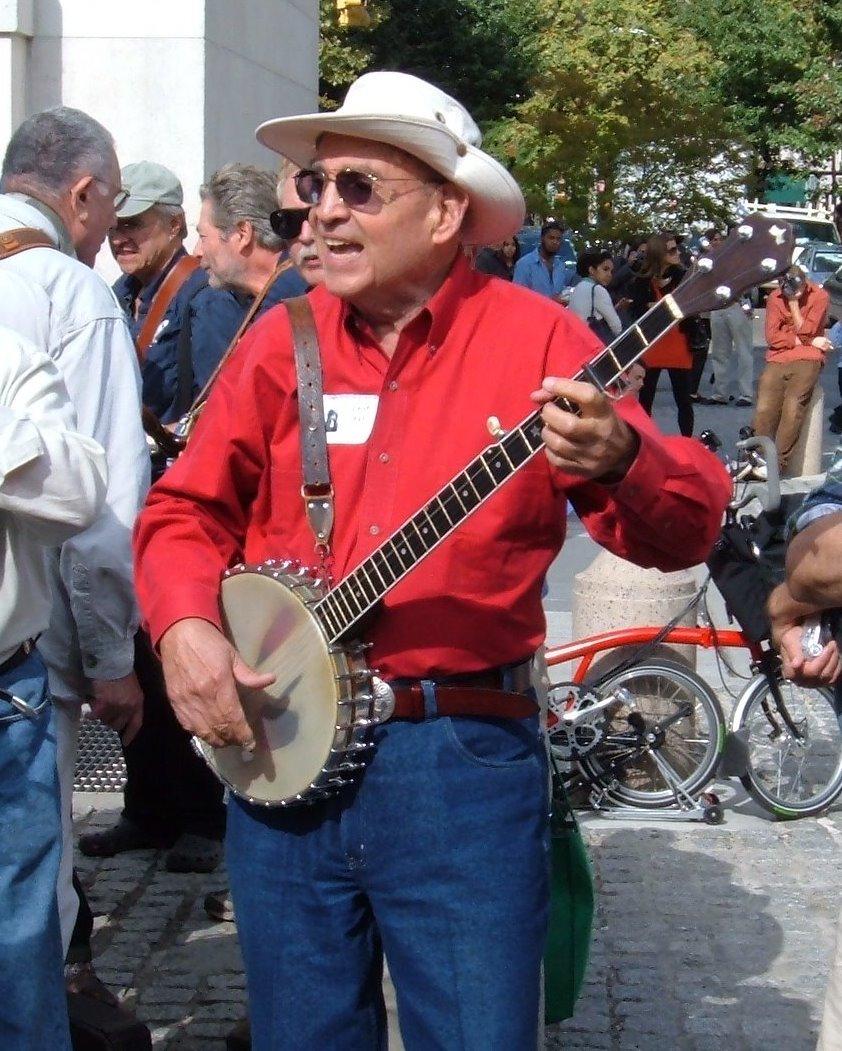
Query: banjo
[{"x": 313, "y": 727}]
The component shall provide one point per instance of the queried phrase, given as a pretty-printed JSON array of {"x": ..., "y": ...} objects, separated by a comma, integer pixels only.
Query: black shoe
[
  {"x": 714, "y": 401},
  {"x": 744, "y": 401},
  {"x": 835, "y": 428},
  {"x": 123, "y": 836},
  {"x": 192, "y": 853}
]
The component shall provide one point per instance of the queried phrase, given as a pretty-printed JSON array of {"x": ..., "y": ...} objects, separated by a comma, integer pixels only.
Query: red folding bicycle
[{"x": 651, "y": 733}]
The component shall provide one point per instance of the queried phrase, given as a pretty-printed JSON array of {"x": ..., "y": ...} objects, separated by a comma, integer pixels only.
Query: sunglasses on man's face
[
  {"x": 288, "y": 222},
  {"x": 359, "y": 190}
]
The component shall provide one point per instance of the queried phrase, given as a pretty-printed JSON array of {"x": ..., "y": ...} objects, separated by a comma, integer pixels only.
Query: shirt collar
[
  {"x": 63, "y": 243},
  {"x": 434, "y": 320}
]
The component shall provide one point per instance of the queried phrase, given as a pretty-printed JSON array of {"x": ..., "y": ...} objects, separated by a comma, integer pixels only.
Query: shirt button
[
  {"x": 393, "y": 385},
  {"x": 374, "y": 530},
  {"x": 384, "y": 457},
  {"x": 433, "y": 347}
]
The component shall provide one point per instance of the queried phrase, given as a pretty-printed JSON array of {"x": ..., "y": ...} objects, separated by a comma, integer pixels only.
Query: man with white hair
[
  {"x": 60, "y": 185},
  {"x": 181, "y": 326},
  {"x": 52, "y": 482},
  {"x": 437, "y": 854}
]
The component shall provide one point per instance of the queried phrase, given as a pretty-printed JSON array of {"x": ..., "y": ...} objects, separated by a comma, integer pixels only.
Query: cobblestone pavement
[{"x": 706, "y": 937}]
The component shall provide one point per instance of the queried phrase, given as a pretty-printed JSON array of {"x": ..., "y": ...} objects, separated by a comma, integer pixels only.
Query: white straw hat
[{"x": 407, "y": 112}]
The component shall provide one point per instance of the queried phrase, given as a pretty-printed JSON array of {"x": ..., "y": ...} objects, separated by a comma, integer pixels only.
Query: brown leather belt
[
  {"x": 18, "y": 657},
  {"x": 478, "y": 694}
]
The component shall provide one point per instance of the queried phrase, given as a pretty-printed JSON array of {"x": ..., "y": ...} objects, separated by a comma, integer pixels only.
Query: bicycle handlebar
[{"x": 771, "y": 498}]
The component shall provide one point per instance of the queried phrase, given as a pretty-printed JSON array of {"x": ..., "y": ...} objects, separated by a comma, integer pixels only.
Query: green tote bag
[{"x": 571, "y": 908}]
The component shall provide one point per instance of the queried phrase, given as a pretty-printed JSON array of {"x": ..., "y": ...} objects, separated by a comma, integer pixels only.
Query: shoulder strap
[
  {"x": 316, "y": 491},
  {"x": 203, "y": 394},
  {"x": 184, "y": 371},
  {"x": 161, "y": 302},
  {"x": 14, "y": 241}
]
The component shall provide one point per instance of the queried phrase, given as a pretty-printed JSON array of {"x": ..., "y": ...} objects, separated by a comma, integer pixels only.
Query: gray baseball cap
[{"x": 147, "y": 184}]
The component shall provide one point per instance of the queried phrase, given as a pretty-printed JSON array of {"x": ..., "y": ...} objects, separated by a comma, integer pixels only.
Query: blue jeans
[
  {"x": 439, "y": 856},
  {"x": 33, "y": 1006}
]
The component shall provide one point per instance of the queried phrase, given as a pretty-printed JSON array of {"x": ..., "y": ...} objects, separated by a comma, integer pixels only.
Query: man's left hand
[
  {"x": 119, "y": 704},
  {"x": 594, "y": 444}
]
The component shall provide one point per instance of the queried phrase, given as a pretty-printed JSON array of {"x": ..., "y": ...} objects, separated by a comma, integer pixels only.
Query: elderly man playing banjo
[{"x": 411, "y": 800}]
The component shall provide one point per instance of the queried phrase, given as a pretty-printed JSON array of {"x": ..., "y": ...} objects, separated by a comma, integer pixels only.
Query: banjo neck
[
  {"x": 350, "y": 600},
  {"x": 757, "y": 250}
]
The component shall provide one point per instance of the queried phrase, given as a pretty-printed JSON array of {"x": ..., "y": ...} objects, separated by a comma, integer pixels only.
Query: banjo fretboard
[{"x": 350, "y": 600}]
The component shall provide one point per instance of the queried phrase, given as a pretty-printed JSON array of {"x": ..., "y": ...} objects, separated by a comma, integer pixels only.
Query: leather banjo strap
[
  {"x": 161, "y": 302},
  {"x": 14, "y": 241},
  {"x": 204, "y": 393},
  {"x": 316, "y": 491}
]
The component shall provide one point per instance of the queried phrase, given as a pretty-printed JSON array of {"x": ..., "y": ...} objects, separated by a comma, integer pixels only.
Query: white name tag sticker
[{"x": 349, "y": 418}]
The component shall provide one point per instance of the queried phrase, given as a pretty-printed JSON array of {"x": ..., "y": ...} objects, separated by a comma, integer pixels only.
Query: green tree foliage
[
  {"x": 638, "y": 112},
  {"x": 618, "y": 101},
  {"x": 470, "y": 48},
  {"x": 344, "y": 54},
  {"x": 778, "y": 75}
]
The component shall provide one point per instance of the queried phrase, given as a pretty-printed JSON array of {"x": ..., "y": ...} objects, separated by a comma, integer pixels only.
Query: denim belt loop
[{"x": 431, "y": 708}]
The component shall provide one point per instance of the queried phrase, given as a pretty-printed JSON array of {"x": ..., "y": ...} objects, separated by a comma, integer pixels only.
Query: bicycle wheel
[
  {"x": 672, "y": 732},
  {"x": 792, "y": 774}
]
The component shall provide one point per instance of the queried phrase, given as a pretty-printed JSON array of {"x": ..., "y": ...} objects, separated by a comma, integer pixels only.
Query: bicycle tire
[
  {"x": 691, "y": 744},
  {"x": 775, "y": 775}
]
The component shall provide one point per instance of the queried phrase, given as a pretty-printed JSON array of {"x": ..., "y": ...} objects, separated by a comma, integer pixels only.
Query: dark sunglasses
[
  {"x": 288, "y": 222},
  {"x": 672, "y": 248},
  {"x": 358, "y": 190}
]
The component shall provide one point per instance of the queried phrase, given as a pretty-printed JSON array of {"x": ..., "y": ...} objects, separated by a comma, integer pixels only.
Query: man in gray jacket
[{"x": 61, "y": 177}]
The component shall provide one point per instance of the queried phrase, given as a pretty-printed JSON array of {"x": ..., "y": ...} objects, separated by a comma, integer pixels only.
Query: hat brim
[
  {"x": 496, "y": 209},
  {"x": 134, "y": 206}
]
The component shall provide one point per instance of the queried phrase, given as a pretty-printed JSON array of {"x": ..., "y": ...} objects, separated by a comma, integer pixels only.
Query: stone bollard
[
  {"x": 806, "y": 457},
  {"x": 612, "y": 593}
]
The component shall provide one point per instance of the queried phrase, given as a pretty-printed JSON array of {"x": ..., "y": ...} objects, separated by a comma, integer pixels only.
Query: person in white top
[
  {"x": 590, "y": 299},
  {"x": 52, "y": 484},
  {"x": 61, "y": 176}
]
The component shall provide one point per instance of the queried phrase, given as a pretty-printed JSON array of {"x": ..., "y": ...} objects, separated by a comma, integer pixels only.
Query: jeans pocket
[{"x": 495, "y": 742}]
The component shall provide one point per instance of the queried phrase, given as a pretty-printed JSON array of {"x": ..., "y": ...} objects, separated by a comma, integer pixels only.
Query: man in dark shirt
[
  {"x": 237, "y": 245},
  {"x": 198, "y": 322}
]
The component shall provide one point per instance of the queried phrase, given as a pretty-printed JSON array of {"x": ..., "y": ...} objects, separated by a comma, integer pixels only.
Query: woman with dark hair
[
  {"x": 590, "y": 299},
  {"x": 499, "y": 260},
  {"x": 655, "y": 277}
]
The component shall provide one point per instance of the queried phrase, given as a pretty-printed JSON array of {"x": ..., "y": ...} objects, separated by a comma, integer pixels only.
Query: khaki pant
[
  {"x": 783, "y": 394},
  {"x": 830, "y": 1035}
]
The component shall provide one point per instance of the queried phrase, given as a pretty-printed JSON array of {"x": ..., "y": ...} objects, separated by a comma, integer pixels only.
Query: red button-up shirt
[
  {"x": 477, "y": 350},
  {"x": 785, "y": 344}
]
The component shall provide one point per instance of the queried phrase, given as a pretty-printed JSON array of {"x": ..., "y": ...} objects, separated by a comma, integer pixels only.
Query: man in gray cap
[
  {"x": 181, "y": 328},
  {"x": 180, "y": 325}
]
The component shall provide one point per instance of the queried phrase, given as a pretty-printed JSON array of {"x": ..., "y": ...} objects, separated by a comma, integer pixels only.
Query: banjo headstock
[{"x": 758, "y": 249}]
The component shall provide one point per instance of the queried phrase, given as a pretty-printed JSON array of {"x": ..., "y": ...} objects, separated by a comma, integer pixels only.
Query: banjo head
[{"x": 299, "y": 719}]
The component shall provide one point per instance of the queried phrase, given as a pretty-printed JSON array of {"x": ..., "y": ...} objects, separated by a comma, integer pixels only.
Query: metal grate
[{"x": 100, "y": 766}]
